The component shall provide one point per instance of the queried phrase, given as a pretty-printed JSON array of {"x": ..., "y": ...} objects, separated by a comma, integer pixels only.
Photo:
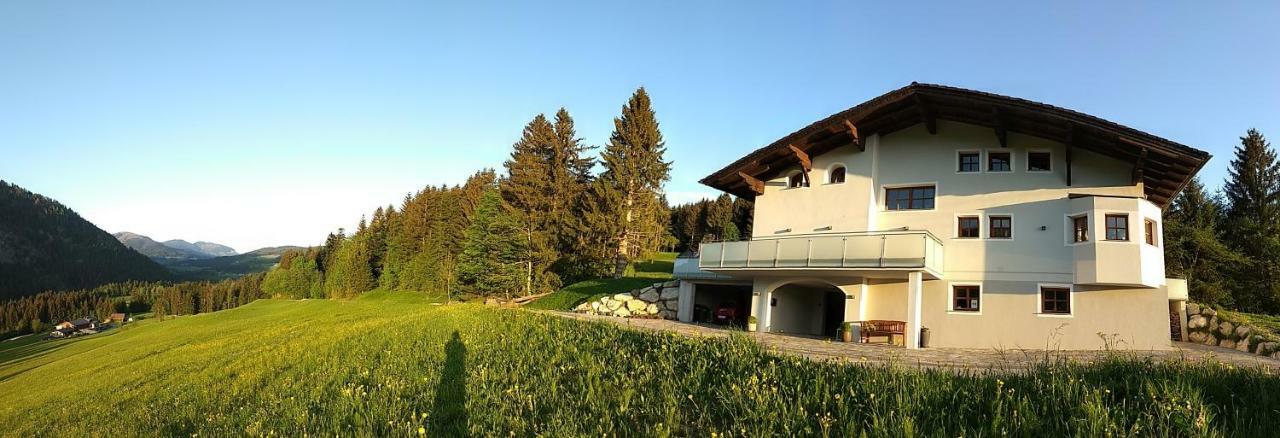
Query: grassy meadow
[{"x": 400, "y": 364}]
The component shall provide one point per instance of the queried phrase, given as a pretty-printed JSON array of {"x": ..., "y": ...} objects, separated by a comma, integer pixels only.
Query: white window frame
[
  {"x": 1028, "y": 153},
  {"x": 1128, "y": 227},
  {"x": 831, "y": 169},
  {"x": 1069, "y": 226},
  {"x": 951, "y": 298},
  {"x": 1071, "y": 295},
  {"x": 1013, "y": 161},
  {"x": 982, "y": 163},
  {"x": 955, "y": 223},
  {"x": 1012, "y": 226},
  {"x": 884, "y": 196}
]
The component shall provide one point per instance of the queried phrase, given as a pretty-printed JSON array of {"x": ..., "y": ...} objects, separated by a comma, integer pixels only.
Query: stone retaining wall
[
  {"x": 657, "y": 301},
  {"x": 1204, "y": 326}
]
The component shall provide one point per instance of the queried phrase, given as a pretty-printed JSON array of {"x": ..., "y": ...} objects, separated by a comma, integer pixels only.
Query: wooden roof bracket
[
  {"x": 1137, "y": 168},
  {"x": 1070, "y": 142},
  {"x": 756, "y": 185},
  {"x": 853, "y": 133},
  {"x": 1002, "y": 132},
  {"x": 926, "y": 114},
  {"x": 805, "y": 162}
]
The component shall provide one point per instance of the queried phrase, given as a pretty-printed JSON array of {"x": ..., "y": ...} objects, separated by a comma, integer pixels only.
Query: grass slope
[
  {"x": 642, "y": 273},
  {"x": 395, "y": 364}
]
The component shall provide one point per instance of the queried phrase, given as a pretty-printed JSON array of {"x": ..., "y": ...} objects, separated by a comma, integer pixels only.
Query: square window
[
  {"x": 1117, "y": 227},
  {"x": 1001, "y": 227},
  {"x": 970, "y": 162},
  {"x": 999, "y": 162},
  {"x": 1055, "y": 300},
  {"x": 965, "y": 298},
  {"x": 1039, "y": 161},
  {"x": 967, "y": 227},
  {"x": 1080, "y": 228}
]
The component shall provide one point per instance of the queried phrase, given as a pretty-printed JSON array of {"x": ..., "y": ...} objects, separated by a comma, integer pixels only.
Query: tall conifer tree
[
  {"x": 1253, "y": 218},
  {"x": 626, "y": 207}
]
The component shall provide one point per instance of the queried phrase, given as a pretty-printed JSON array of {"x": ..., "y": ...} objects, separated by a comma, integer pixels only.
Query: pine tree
[
  {"x": 625, "y": 205},
  {"x": 569, "y": 179},
  {"x": 529, "y": 188},
  {"x": 1253, "y": 217},
  {"x": 1192, "y": 248},
  {"x": 718, "y": 215},
  {"x": 492, "y": 260}
]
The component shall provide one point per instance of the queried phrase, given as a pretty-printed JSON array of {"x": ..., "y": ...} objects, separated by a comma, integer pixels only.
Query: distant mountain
[
  {"x": 207, "y": 249},
  {"x": 155, "y": 250},
  {"x": 221, "y": 268},
  {"x": 46, "y": 246}
]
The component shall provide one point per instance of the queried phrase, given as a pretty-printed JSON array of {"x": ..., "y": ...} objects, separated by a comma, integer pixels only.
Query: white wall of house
[{"x": 1117, "y": 286}]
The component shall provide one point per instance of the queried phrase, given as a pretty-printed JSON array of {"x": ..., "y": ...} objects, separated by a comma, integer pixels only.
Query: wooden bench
[{"x": 879, "y": 327}]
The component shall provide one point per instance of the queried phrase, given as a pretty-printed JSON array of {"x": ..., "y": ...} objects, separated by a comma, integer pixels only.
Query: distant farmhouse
[{"x": 82, "y": 326}]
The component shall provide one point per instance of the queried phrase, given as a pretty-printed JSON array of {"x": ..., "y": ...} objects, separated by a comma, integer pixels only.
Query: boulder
[
  {"x": 1275, "y": 355},
  {"x": 1242, "y": 332},
  {"x": 649, "y": 296},
  {"x": 1243, "y": 345},
  {"x": 672, "y": 283},
  {"x": 1227, "y": 343},
  {"x": 1226, "y": 329},
  {"x": 1198, "y": 337},
  {"x": 622, "y": 296},
  {"x": 1208, "y": 311},
  {"x": 670, "y": 293},
  {"x": 1193, "y": 309},
  {"x": 622, "y": 312},
  {"x": 612, "y": 304},
  {"x": 636, "y": 305},
  {"x": 651, "y": 309},
  {"x": 595, "y": 306},
  {"x": 669, "y": 304},
  {"x": 1210, "y": 339},
  {"x": 1197, "y": 322},
  {"x": 1265, "y": 348},
  {"x": 668, "y": 314}
]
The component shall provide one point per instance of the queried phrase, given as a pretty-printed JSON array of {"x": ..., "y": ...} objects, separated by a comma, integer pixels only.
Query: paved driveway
[{"x": 947, "y": 358}]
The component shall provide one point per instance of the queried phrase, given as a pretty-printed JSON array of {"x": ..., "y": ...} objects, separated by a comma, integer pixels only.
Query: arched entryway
[{"x": 806, "y": 308}]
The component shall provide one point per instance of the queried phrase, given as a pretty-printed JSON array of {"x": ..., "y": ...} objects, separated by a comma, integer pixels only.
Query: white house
[{"x": 990, "y": 220}]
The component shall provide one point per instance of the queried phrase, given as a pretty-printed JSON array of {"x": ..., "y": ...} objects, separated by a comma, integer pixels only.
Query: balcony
[{"x": 859, "y": 253}]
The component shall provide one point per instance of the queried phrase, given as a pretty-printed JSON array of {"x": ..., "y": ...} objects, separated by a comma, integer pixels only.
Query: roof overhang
[{"x": 1163, "y": 167}]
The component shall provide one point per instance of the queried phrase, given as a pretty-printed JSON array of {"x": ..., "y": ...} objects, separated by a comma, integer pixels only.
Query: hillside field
[{"x": 400, "y": 364}]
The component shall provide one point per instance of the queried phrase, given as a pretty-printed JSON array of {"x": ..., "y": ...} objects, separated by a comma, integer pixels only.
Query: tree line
[
  {"x": 547, "y": 220},
  {"x": 40, "y": 312},
  {"x": 724, "y": 218},
  {"x": 1227, "y": 244}
]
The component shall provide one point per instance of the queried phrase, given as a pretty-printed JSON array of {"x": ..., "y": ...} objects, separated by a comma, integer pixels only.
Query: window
[
  {"x": 965, "y": 298},
  {"x": 1039, "y": 161},
  {"x": 1080, "y": 228},
  {"x": 970, "y": 162},
  {"x": 1117, "y": 227},
  {"x": 1150, "y": 227},
  {"x": 999, "y": 162},
  {"x": 909, "y": 198},
  {"x": 1001, "y": 227},
  {"x": 1055, "y": 300},
  {"x": 967, "y": 227},
  {"x": 837, "y": 175},
  {"x": 796, "y": 180}
]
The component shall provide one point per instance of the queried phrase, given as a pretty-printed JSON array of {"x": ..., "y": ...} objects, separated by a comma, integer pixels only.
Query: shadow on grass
[{"x": 449, "y": 412}]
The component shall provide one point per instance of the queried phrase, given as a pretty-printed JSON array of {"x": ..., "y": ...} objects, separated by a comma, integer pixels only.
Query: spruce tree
[
  {"x": 626, "y": 207},
  {"x": 1252, "y": 192},
  {"x": 492, "y": 260},
  {"x": 1192, "y": 248},
  {"x": 529, "y": 188},
  {"x": 569, "y": 178}
]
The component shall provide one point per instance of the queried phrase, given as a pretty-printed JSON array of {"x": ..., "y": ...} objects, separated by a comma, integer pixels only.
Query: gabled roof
[{"x": 1164, "y": 166}]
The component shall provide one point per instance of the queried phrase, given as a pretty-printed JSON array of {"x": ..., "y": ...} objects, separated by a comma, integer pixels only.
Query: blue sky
[{"x": 252, "y": 124}]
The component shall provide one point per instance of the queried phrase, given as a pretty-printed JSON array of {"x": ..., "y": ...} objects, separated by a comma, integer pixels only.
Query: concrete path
[{"x": 945, "y": 358}]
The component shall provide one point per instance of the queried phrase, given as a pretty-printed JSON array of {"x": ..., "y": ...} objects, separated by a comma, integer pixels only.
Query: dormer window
[
  {"x": 796, "y": 180},
  {"x": 837, "y": 175}
]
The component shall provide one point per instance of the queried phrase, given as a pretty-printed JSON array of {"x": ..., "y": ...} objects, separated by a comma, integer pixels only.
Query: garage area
[
  {"x": 806, "y": 309},
  {"x": 724, "y": 304}
]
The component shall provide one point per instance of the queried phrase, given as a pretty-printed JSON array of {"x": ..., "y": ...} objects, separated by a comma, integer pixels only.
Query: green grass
[
  {"x": 640, "y": 274},
  {"x": 397, "y": 364},
  {"x": 1267, "y": 325}
]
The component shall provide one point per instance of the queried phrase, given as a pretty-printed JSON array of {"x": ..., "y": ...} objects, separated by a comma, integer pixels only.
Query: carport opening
[
  {"x": 814, "y": 309},
  {"x": 722, "y": 304}
]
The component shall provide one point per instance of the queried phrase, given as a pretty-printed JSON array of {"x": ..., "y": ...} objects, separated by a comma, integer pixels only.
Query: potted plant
[
  {"x": 846, "y": 331},
  {"x": 751, "y": 323}
]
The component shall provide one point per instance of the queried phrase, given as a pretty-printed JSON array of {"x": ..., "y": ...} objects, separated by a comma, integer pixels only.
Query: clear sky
[{"x": 257, "y": 125}]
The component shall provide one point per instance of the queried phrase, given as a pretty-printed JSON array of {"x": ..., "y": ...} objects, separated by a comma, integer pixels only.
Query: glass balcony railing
[{"x": 864, "y": 250}]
